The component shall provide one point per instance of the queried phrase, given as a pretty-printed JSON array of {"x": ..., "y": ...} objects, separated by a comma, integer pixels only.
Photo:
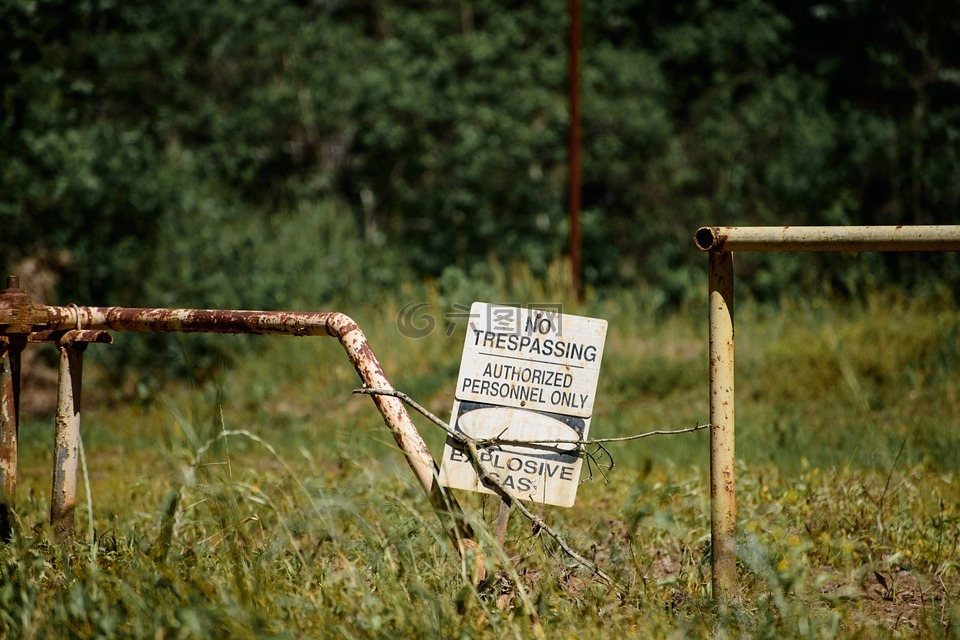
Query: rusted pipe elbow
[
  {"x": 405, "y": 433},
  {"x": 394, "y": 412}
]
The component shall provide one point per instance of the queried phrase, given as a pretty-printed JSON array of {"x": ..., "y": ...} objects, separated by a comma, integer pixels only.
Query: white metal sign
[{"x": 525, "y": 375}]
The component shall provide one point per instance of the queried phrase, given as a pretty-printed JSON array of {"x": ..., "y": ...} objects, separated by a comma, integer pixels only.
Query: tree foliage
[{"x": 205, "y": 153}]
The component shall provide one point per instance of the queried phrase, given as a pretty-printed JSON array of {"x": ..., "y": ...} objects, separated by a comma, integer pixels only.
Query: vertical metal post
[
  {"x": 63, "y": 498},
  {"x": 722, "y": 493},
  {"x": 10, "y": 350}
]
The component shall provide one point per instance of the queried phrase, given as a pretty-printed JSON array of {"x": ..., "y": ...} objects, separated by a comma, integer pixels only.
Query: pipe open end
[{"x": 706, "y": 238}]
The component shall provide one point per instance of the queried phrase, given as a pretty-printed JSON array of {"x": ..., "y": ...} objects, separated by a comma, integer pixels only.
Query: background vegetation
[
  {"x": 362, "y": 155},
  {"x": 306, "y": 522},
  {"x": 252, "y": 154}
]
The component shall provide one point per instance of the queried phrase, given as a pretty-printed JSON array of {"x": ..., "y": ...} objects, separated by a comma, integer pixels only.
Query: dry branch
[{"x": 471, "y": 445}]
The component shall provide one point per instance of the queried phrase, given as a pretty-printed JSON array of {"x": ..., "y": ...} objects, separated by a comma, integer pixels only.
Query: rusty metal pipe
[
  {"x": 192, "y": 320},
  {"x": 333, "y": 324},
  {"x": 71, "y": 337},
  {"x": 10, "y": 349},
  {"x": 722, "y": 485},
  {"x": 874, "y": 238},
  {"x": 66, "y": 454}
]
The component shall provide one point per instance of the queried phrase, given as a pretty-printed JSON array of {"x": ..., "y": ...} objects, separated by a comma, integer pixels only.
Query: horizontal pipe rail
[
  {"x": 874, "y": 238},
  {"x": 197, "y": 321}
]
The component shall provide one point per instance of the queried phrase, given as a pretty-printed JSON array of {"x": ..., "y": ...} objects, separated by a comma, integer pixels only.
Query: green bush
[{"x": 141, "y": 136}]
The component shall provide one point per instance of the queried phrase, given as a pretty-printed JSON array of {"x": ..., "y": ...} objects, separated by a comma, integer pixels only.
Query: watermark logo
[
  {"x": 419, "y": 319},
  {"x": 459, "y": 312},
  {"x": 414, "y": 322}
]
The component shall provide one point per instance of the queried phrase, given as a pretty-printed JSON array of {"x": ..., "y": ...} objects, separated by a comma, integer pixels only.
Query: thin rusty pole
[
  {"x": 722, "y": 485},
  {"x": 11, "y": 348},
  {"x": 63, "y": 497},
  {"x": 575, "y": 170}
]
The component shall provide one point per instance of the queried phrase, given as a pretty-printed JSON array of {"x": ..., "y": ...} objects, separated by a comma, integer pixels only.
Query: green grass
[{"x": 307, "y": 523}]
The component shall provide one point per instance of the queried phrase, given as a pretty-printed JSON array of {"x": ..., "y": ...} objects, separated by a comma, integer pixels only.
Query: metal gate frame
[
  {"x": 73, "y": 327},
  {"x": 721, "y": 243}
]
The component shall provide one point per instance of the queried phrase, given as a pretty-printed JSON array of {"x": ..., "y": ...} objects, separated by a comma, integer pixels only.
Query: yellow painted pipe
[
  {"x": 722, "y": 489},
  {"x": 721, "y": 243},
  {"x": 875, "y": 238}
]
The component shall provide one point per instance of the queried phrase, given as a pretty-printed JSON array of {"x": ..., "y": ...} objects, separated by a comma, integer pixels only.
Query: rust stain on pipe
[
  {"x": 18, "y": 313},
  {"x": 71, "y": 337},
  {"x": 190, "y": 320}
]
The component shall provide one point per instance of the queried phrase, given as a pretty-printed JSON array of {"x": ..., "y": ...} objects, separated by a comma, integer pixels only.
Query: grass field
[{"x": 306, "y": 522}]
